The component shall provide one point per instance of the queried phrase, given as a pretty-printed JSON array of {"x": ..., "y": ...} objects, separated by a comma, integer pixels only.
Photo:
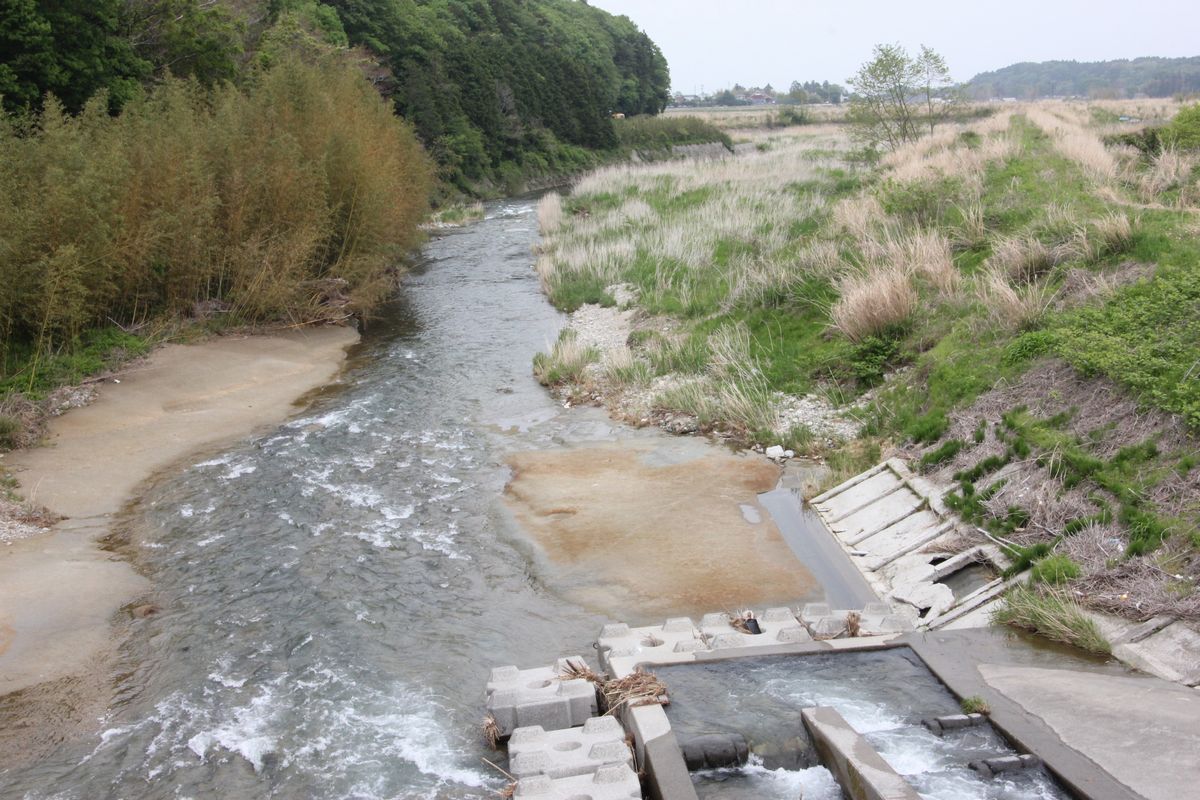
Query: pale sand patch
[
  {"x": 641, "y": 539},
  {"x": 59, "y": 591}
]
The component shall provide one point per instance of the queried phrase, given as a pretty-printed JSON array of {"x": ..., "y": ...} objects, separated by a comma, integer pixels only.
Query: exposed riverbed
[{"x": 332, "y": 595}]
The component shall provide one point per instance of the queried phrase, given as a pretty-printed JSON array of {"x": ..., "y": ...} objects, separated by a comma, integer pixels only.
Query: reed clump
[{"x": 292, "y": 199}]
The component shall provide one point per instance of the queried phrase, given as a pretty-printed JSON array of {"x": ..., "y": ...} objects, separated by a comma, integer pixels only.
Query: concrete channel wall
[
  {"x": 890, "y": 522},
  {"x": 861, "y": 771}
]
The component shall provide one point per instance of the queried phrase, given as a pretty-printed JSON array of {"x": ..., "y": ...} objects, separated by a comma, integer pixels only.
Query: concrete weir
[{"x": 559, "y": 748}]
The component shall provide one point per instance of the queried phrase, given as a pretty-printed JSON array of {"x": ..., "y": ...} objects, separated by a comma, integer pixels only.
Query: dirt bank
[
  {"x": 640, "y": 536},
  {"x": 59, "y": 592}
]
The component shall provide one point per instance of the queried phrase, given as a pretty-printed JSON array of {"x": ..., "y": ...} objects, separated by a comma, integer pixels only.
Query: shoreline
[{"x": 60, "y": 591}]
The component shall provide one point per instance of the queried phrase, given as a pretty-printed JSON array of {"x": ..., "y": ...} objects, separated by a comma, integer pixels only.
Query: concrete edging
[{"x": 861, "y": 771}]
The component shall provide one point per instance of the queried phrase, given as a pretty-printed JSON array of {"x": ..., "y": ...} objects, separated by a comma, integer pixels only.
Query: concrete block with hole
[
  {"x": 613, "y": 782},
  {"x": 543, "y": 696},
  {"x": 778, "y": 626},
  {"x": 566, "y": 753},
  {"x": 621, "y": 646}
]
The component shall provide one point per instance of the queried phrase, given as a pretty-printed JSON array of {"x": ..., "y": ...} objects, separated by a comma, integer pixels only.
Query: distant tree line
[
  {"x": 798, "y": 94},
  {"x": 1152, "y": 77}
]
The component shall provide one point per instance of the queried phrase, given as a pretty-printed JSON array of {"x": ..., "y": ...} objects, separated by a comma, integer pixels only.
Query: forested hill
[
  {"x": 496, "y": 89},
  {"x": 485, "y": 81},
  {"x": 1154, "y": 77}
]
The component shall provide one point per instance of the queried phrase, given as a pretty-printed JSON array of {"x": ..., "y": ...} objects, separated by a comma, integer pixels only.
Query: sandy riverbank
[{"x": 59, "y": 592}]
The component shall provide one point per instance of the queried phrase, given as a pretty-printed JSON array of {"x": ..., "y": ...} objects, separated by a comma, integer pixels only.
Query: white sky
[{"x": 716, "y": 43}]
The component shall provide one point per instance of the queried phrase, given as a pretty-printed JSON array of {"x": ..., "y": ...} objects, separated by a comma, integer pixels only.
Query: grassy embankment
[
  {"x": 290, "y": 200},
  {"x": 1015, "y": 303}
]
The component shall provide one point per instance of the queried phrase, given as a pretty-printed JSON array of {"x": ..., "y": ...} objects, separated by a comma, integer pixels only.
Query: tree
[{"x": 891, "y": 92}]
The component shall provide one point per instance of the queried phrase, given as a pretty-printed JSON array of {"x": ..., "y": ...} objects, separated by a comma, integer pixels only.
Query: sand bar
[
  {"x": 59, "y": 592},
  {"x": 641, "y": 538}
]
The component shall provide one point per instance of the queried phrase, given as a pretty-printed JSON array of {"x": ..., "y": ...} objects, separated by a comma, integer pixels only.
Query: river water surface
[{"x": 333, "y": 594}]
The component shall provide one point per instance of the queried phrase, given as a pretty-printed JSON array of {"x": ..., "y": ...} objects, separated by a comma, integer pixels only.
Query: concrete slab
[
  {"x": 886, "y": 511},
  {"x": 894, "y": 541},
  {"x": 1143, "y": 731},
  {"x": 849, "y": 482},
  {"x": 1172, "y": 653},
  {"x": 857, "y": 497}
]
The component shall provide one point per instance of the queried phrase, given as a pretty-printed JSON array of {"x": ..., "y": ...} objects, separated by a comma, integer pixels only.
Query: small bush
[
  {"x": 871, "y": 358},
  {"x": 1054, "y": 569},
  {"x": 791, "y": 115},
  {"x": 1183, "y": 132},
  {"x": 10, "y": 432},
  {"x": 946, "y": 451},
  {"x": 928, "y": 427},
  {"x": 565, "y": 362},
  {"x": 975, "y": 705}
]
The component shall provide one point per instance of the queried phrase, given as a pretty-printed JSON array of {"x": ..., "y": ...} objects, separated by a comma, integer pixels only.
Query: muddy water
[{"x": 333, "y": 594}]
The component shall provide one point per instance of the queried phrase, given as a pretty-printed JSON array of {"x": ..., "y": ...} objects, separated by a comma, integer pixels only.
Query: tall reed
[{"x": 271, "y": 199}]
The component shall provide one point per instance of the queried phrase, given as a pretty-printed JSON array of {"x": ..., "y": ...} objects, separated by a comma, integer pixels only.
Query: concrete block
[
  {"x": 936, "y": 597},
  {"x": 569, "y": 752},
  {"x": 907, "y": 535},
  {"x": 814, "y": 611},
  {"x": 793, "y": 634},
  {"x": 778, "y": 615},
  {"x": 878, "y": 626},
  {"x": 715, "y": 751},
  {"x": 951, "y": 722},
  {"x": 848, "y": 483},
  {"x": 990, "y": 767},
  {"x": 521, "y": 698},
  {"x": 828, "y": 627},
  {"x": 877, "y": 609},
  {"x": 861, "y": 771},
  {"x": 614, "y": 782},
  {"x": 672, "y": 642}
]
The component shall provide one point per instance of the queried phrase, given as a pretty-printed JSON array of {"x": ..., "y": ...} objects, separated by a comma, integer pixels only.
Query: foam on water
[{"x": 753, "y": 781}]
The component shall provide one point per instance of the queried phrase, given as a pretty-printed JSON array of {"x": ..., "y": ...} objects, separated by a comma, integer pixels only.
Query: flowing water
[
  {"x": 334, "y": 594},
  {"x": 883, "y": 695}
]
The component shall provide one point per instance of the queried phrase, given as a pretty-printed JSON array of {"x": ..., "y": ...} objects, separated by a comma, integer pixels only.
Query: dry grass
[
  {"x": 873, "y": 301},
  {"x": 925, "y": 253},
  {"x": 859, "y": 216},
  {"x": 1168, "y": 170},
  {"x": 566, "y": 361},
  {"x": 636, "y": 689},
  {"x": 1075, "y": 142},
  {"x": 1022, "y": 258},
  {"x": 491, "y": 732},
  {"x": 733, "y": 392},
  {"x": 1013, "y": 307},
  {"x": 549, "y": 213}
]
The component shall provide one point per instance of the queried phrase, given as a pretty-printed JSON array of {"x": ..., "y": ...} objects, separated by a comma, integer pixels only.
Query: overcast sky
[{"x": 716, "y": 43}]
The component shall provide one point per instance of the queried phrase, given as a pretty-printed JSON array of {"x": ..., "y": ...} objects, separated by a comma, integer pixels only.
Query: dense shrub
[
  {"x": 1183, "y": 132},
  {"x": 267, "y": 199},
  {"x": 663, "y": 133}
]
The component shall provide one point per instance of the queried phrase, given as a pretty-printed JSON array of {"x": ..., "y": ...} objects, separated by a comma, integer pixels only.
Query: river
[{"x": 333, "y": 594}]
